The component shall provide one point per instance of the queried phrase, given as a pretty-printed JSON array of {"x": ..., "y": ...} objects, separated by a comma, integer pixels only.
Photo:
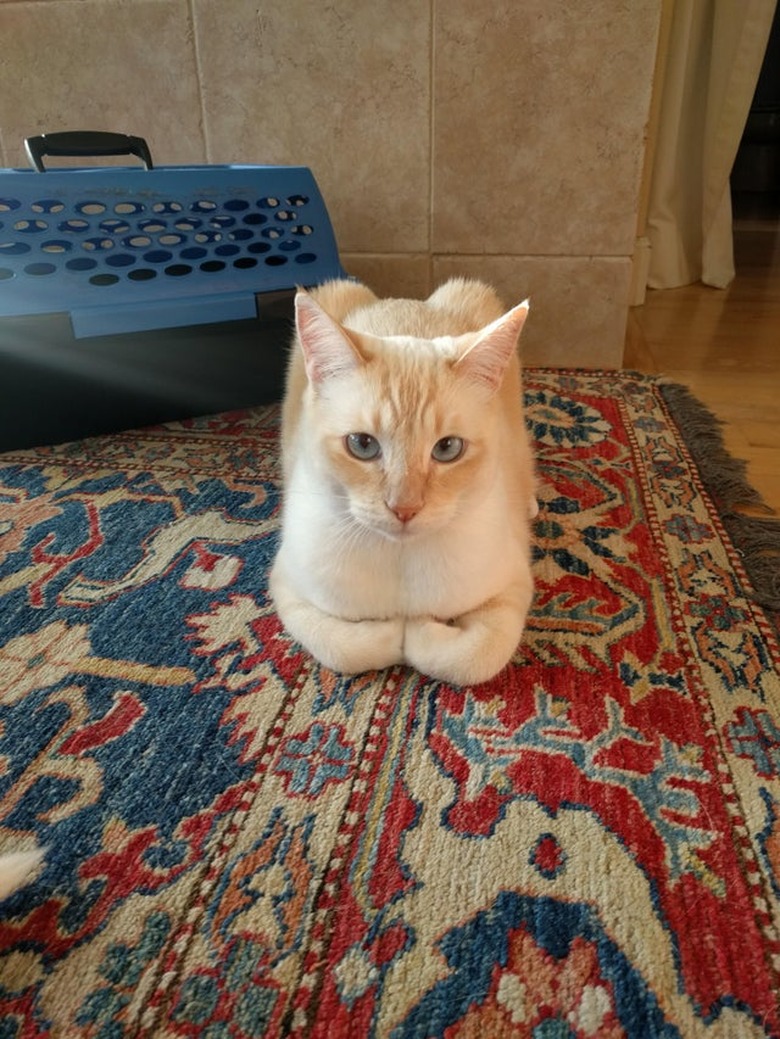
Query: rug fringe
[{"x": 756, "y": 539}]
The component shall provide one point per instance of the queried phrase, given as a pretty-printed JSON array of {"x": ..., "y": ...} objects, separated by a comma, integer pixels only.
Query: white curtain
[{"x": 714, "y": 55}]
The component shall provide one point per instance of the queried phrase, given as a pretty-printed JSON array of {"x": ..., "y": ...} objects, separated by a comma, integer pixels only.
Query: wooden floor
[{"x": 725, "y": 345}]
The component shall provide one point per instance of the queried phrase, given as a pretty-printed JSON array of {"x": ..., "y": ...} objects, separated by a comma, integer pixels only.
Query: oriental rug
[{"x": 242, "y": 844}]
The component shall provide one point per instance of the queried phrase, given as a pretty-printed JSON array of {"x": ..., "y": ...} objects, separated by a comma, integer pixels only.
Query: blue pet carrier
[{"x": 136, "y": 295}]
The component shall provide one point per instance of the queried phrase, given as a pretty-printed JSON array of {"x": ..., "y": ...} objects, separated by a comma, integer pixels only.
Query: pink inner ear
[
  {"x": 327, "y": 349},
  {"x": 486, "y": 360}
]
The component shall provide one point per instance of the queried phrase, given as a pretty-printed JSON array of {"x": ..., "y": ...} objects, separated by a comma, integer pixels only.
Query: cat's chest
[{"x": 357, "y": 574}]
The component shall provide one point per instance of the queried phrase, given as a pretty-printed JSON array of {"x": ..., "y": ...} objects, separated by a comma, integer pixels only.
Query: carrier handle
[{"x": 84, "y": 143}]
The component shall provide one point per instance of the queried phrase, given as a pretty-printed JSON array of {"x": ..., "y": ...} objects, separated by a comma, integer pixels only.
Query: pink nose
[{"x": 404, "y": 513}]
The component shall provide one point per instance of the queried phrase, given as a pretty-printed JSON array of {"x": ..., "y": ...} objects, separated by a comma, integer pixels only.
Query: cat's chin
[
  {"x": 400, "y": 536},
  {"x": 397, "y": 533}
]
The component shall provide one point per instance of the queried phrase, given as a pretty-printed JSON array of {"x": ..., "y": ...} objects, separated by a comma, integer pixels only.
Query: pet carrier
[{"x": 133, "y": 295}]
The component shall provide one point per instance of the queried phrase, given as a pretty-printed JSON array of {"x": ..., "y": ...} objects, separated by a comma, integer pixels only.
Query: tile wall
[{"x": 501, "y": 140}]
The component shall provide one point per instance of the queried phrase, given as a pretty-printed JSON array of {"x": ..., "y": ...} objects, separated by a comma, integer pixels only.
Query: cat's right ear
[{"x": 327, "y": 349}]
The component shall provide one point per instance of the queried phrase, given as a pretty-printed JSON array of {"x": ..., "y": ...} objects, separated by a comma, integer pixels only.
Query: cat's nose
[{"x": 404, "y": 513}]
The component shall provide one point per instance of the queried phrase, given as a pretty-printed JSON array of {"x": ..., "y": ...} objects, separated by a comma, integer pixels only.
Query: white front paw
[
  {"x": 364, "y": 646},
  {"x": 429, "y": 646},
  {"x": 468, "y": 650}
]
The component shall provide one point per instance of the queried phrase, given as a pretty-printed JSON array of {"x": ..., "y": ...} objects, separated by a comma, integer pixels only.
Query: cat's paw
[
  {"x": 473, "y": 647},
  {"x": 433, "y": 647},
  {"x": 348, "y": 647},
  {"x": 369, "y": 645}
]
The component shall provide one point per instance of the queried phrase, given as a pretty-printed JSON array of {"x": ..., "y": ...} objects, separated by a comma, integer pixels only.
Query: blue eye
[
  {"x": 362, "y": 446},
  {"x": 448, "y": 449}
]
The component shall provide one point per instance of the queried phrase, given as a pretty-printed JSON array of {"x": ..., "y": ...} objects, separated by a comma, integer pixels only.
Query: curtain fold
[{"x": 714, "y": 57}]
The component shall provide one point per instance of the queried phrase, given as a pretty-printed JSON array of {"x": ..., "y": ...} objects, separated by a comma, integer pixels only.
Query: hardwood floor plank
[{"x": 725, "y": 346}]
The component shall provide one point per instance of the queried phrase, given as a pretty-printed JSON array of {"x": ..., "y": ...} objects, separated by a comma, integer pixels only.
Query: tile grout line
[{"x": 199, "y": 80}]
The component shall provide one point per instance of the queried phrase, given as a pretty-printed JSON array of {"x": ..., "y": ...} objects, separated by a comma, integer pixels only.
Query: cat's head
[{"x": 405, "y": 429}]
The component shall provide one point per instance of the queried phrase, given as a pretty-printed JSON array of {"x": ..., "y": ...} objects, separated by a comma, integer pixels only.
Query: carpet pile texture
[{"x": 242, "y": 844}]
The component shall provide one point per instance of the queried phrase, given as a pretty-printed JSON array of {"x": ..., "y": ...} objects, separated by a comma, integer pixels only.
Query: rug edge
[{"x": 756, "y": 539}]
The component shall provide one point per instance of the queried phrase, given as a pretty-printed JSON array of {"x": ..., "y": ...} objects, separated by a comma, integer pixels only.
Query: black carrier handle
[{"x": 81, "y": 143}]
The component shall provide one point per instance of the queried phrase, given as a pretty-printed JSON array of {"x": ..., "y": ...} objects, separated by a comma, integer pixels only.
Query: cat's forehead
[
  {"x": 412, "y": 406},
  {"x": 405, "y": 387},
  {"x": 424, "y": 351},
  {"x": 410, "y": 389}
]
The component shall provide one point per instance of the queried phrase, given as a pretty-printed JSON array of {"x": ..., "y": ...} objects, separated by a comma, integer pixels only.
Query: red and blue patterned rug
[{"x": 244, "y": 845}]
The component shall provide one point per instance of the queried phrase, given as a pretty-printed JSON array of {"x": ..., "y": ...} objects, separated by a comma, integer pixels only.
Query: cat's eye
[
  {"x": 448, "y": 449},
  {"x": 362, "y": 446}
]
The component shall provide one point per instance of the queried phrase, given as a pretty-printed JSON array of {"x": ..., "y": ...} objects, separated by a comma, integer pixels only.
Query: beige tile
[
  {"x": 101, "y": 65},
  {"x": 539, "y": 116},
  {"x": 340, "y": 87},
  {"x": 578, "y": 304},
  {"x": 407, "y": 277}
]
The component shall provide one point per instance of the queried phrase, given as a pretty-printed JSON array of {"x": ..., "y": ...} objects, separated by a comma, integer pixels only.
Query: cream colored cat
[
  {"x": 16, "y": 869},
  {"x": 409, "y": 482}
]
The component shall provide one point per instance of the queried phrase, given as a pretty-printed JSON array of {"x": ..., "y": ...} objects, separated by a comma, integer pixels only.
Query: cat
[
  {"x": 16, "y": 869},
  {"x": 409, "y": 482}
]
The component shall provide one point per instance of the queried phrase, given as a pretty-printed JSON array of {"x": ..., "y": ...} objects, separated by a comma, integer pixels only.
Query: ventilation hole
[
  {"x": 289, "y": 246},
  {"x": 304, "y": 229},
  {"x": 208, "y": 236},
  {"x": 114, "y": 226},
  {"x": 222, "y": 221},
  {"x": 97, "y": 244},
  {"x": 268, "y": 203},
  {"x": 90, "y": 208},
  {"x": 5, "y": 274},
  {"x": 56, "y": 246},
  {"x": 48, "y": 205},
  {"x": 30, "y": 226},
  {"x": 137, "y": 241},
  {"x": 245, "y": 262},
  {"x": 273, "y": 233},
  {"x": 167, "y": 207},
  {"x": 212, "y": 266},
  {"x": 236, "y": 205},
  {"x": 259, "y": 247},
  {"x": 275, "y": 261},
  {"x": 81, "y": 264},
  {"x": 128, "y": 208},
  {"x": 256, "y": 218},
  {"x": 188, "y": 224},
  {"x": 286, "y": 214},
  {"x": 203, "y": 205},
  {"x": 194, "y": 252},
  {"x": 40, "y": 268},
  {"x": 74, "y": 226},
  {"x": 243, "y": 234},
  {"x": 171, "y": 239},
  {"x": 120, "y": 260},
  {"x": 7, "y": 205},
  {"x": 14, "y": 248},
  {"x": 142, "y": 274},
  {"x": 297, "y": 200},
  {"x": 158, "y": 256},
  {"x": 305, "y": 258},
  {"x": 177, "y": 270},
  {"x": 103, "y": 279},
  {"x": 227, "y": 250},
  {"x": 151, "y": 226}
]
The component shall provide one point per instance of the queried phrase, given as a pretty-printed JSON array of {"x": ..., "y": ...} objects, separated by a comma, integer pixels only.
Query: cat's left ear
[{"x": 486, "y": 360}]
